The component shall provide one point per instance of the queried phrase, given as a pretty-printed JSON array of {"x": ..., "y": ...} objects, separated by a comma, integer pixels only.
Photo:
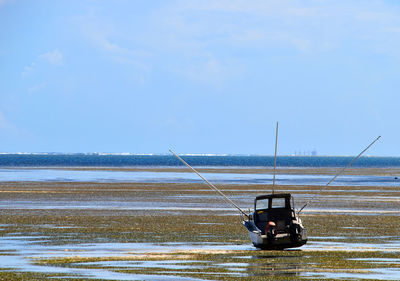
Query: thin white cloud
[
  {"x": 5, "y": 126},
  {"x": 257, "y": 24},
  {"x": 8, "y": 129},
  {"x": 28, "y": 69},
  {"x": 198, "y": 32},
  {"x": 210, "y": 70},
  {"x": 37, "y": 87},
  {"x": 2, "y": 2},
  {"x": 109, "y": 39},
  {"x": 54, "y": 57},
  {"x": 302, "y": 25}
]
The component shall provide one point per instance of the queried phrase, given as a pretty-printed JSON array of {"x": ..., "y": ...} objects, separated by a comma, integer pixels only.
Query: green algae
[
  {"x": 218, "y": 266},
  {"x": 5, "y": 274},
  {"x": 77, "y": 226}
]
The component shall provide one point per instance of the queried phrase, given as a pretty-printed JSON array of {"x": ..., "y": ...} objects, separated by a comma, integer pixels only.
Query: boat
[{"x": 274, "y": 224}]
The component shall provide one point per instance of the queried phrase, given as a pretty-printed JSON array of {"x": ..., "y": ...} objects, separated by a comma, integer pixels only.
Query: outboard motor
[{"x": 270, "y": 230}]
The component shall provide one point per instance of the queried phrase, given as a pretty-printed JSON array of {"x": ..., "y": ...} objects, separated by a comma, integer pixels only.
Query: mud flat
[{"x": 183, "y": 231}]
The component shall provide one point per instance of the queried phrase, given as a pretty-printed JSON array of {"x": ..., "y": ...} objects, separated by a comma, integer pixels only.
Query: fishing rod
[
  {"x": 276, "y": 149},
  {"x": 210, "y": 184},
  {"x": 340, "y": 172}
]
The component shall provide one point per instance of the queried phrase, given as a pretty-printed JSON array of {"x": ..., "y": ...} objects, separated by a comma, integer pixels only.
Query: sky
[{"x": 200, "y": 76}]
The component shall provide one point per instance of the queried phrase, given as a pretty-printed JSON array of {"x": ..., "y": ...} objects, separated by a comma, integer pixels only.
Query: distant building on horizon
[{"x": 305, "y": 153}]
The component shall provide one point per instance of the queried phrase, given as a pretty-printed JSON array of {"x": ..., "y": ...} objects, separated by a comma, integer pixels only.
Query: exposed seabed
[{"x": 183, "y": 231}]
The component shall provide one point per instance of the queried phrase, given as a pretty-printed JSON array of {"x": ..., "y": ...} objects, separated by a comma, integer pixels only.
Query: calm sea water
[
  {"x": 61, "y": 175},
  {"x": 100, "y": 160}
]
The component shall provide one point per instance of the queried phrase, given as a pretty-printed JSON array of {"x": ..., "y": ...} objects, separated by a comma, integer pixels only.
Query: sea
[
  {"x": 55, "y": 167},
  {"x": 150, "y": 160}
]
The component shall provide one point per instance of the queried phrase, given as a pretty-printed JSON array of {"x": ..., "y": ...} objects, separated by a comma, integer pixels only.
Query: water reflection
[
  {"x": 229, "y": 260},
  {"x": 274, "y": 265}
]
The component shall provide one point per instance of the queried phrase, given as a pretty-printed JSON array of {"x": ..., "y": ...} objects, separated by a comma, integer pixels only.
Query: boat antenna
[
  {"x": 210, "y": 184},
  {"x": 340, "y": 172},
  {"x": 276, "y": 149}
]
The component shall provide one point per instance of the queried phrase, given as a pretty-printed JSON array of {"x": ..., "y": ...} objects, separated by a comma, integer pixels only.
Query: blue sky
[{"x": 199, "y": 76}]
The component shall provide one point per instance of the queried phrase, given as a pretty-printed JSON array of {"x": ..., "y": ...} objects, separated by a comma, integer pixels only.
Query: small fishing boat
[{"x": 274, "y": 223}]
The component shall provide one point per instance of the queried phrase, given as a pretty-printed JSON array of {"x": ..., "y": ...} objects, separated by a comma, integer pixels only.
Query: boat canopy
[{"x": 272, "y": 201}]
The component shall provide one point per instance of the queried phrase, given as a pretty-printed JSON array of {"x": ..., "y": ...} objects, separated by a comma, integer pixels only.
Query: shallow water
[
  {"x": 21, "y": 251},
  {"x": 59, "y": 175},
  {"x": 375, "y": 274},
  {"x": 386, "y": 245},
  {"x": 24, "y": 250}
]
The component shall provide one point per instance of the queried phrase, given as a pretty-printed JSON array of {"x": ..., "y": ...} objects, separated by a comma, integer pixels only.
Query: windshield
[
  {"x": 262, "y": 204},
  {"x": 278, "y": 203}
]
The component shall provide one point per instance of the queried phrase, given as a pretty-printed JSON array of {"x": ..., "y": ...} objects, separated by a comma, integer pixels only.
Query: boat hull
[{"x": 279, "y": 242}]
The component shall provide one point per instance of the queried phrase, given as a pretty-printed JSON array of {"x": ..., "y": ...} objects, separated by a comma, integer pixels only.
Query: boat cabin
[{"x": 274, "y": 208}]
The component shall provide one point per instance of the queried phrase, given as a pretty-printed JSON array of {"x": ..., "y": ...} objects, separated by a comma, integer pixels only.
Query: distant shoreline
[{"x": 234, "y": 170}]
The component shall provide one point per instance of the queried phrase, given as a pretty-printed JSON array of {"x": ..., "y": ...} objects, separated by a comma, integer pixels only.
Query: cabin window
[
  {"x": 262, "y": 204},
  {"x": 278, "y": 203}
]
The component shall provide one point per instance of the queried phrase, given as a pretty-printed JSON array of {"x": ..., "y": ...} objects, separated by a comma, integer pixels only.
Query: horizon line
[{"x": 183, "y": 154}]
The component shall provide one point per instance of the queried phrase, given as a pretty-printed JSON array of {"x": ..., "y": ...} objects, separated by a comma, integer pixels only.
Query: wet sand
[{"x": 184, "y": 231}]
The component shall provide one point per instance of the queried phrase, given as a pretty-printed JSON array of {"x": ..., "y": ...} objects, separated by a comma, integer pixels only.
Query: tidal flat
[{"x": 184, "y": 231}]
